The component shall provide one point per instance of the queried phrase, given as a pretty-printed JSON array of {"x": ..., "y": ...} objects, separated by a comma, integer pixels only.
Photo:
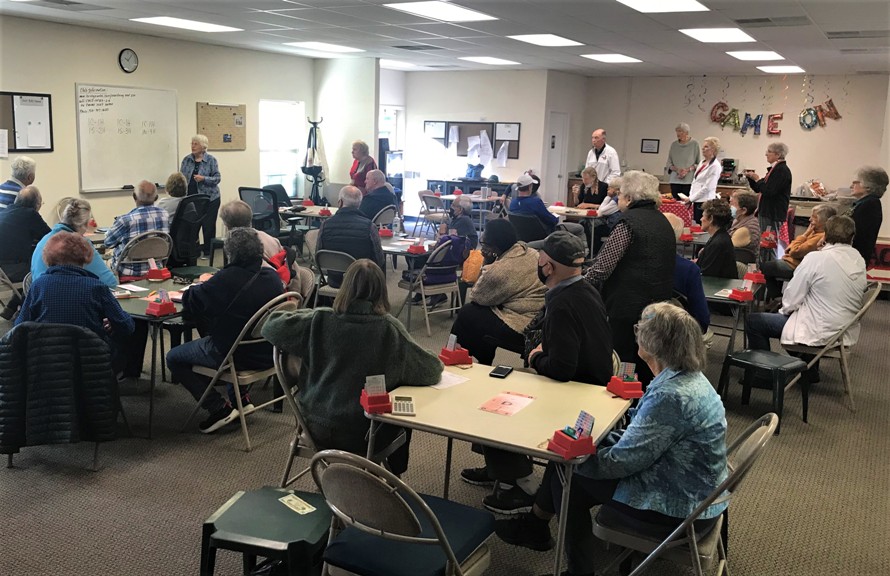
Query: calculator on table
[{"x": 402, "y": 406}]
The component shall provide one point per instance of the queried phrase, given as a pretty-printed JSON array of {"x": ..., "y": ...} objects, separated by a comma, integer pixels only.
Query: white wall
[
  {"x": 885, "y": 162},
  {"x": 346, "y": 97},
  {"x": 392, "y": 87},
  {"x": 50, "y": 58}
]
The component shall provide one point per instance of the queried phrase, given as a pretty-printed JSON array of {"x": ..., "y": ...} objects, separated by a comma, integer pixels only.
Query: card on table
[
  {"x": 507, "y": 403},
  {"x": 296, "y": 504}
]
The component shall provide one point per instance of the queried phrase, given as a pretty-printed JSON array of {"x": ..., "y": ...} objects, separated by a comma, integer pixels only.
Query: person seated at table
[
  {"x": 69, "y": 294},
  {"x": 587, "y": 195},
  {"x": 333, "y": 374},
  {"x": 21, "y": 228},
  {"x": 237, "y": 214},
  {"x": 824, "y": 294},
  {"x": 350, "y": 231},
  {"x": 652, "y": 474},
  {"x": 221, "y": 307},
  {"x": 867, "y": 188},
  {"x": 461, "y": 223},
  {"x": 145, "y": 217},
  {"x": 608, "y": 214},
  {"x": 379, "y": 196},
  {"x": 526, "y": 202},
  {"x": 745, "y": 229},
  {"x": 176, "y": 187},
  {"x": 568, "y": 340},
  {"x": 775, "y": 271},
  {"x": 687, "y": 281},
  {"x": 74, "y": 216},
  {"x": 717, "y": 258},
  {"x": 504, "y": 299},
  {"x": 635, "y": 266}
]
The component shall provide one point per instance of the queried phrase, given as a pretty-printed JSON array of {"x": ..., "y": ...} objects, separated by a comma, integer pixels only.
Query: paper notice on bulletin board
[{"x": 225, "y": 125}]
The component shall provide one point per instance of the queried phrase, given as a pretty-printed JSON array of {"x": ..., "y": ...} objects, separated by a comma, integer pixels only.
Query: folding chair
[
  {"x": 148, "y": 245},
  {"x": 684, "y": 545},
  {"x": 384, "y": 218},
  {"x": 432, "y": 211},
  {"x": 433, "y": 264},
  {"x": 14, "y": 287},
  {"x": 382, "y": 526},
  {"x": 330, "y": 261},
  {"x": 228, "y": 373}
]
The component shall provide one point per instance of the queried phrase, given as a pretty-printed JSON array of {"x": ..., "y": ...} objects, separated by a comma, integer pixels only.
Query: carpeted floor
[{"x": 818, "y": 503}]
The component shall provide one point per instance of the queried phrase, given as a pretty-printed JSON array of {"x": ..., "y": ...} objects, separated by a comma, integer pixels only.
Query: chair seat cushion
[
  {"x": 767, "y": 360},
  {"x": 466, "y": 529}
]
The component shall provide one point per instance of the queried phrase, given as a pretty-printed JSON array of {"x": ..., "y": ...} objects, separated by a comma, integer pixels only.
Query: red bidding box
[
  {"x": 160, "y": 309},
  {"x": 626, "y": 389},
  {"x": 385, "y": 233},
  {"x": 591, "y": 212},
  {"x": 695, "y": 228},
  {"x": 376, "y": 404},
  {"x": 458, "y": 191},
  {"x": 741, "y": 295},
  {"x": 416, "y": 249},
  {"x": 559, "y": 204},
  {"x": 159, "y": 274},
  {"x": 324, "y": 212},
  {"x": 685, "y": 237},
  {"x": 755, "y": 277},
  {"x": 456, "y": 356},
  {"x": 569, "y": 447},
  {"x": 308, "y": 202}
]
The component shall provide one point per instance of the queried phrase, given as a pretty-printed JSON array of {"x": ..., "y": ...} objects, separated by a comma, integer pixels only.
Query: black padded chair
[
  {"x": 184, "y": 229},
  {"x": 264, "y": 205},
  {"x": 528, "y": 228},
  {"x": 284, "y": 201}
]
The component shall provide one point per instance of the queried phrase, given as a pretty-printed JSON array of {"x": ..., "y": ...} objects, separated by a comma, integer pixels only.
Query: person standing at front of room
[
  {"x": 682, "y": 160},
  {"x": 202, "y": 173},
  {"x": 705, "y": 178},
  {"x": 604, "y": 159},
  {"x": 774, "y": 189}
]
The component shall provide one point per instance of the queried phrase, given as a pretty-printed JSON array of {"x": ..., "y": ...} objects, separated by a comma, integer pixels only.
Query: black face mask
[
  {"x": 541, "y": 276},
  {"x": 451, "y": 212}
]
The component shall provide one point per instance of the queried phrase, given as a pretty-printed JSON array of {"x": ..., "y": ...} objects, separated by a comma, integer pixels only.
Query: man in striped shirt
[
  {"x": 23, "y": 172},
  {"x": 145, "y": 217}
]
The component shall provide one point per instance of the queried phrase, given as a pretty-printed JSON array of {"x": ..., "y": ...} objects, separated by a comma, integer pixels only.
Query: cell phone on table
[{"x": 501, "y": 371}]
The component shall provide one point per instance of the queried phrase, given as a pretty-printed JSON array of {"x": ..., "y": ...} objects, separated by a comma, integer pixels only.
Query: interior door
[{"x": 554, "y": 177}]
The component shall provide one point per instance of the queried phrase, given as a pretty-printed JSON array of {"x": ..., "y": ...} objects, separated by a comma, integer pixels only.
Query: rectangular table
[
  {"x": 740, "y": 310},
  {"x": 455, "y": 414},
  {"x": 580, "y": 214}
]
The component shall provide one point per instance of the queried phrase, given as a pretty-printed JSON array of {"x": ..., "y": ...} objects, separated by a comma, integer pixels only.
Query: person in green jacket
[{"x": 340, "y": 347}]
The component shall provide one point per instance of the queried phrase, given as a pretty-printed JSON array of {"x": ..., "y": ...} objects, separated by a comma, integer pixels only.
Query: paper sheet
[
  {"x": 4, "y": 143},
  {"x": 453, "y": 134},
  {"x": 132, "y": 288},
  {"x": 503, "y": 150},
  {"x": 507, "y": 403},
  {"x": 448, "y": 380},
  {"x": 485, "y": 151},
  {"x": 36, "y": 135}
]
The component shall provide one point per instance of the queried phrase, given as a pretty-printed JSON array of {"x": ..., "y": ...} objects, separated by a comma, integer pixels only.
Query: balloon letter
[
  {"x": 717, "y": 112},
  {"x": 751, "y": 122},
  {"x": 831, "y": 111},
  {"x": 732, "y": 119},
  {"x": 808, "y": 118},
  {"x": 772, "y": 124}
]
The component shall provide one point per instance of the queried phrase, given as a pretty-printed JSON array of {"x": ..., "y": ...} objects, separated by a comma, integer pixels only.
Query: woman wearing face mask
[
  {"x": 745, "y": 229},
  {"x": 704, "y": 182},
  {"x": 504, "y": 299}
]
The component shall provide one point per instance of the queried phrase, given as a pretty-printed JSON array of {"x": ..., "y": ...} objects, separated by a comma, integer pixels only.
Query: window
[{"x": 282, "y": 140}]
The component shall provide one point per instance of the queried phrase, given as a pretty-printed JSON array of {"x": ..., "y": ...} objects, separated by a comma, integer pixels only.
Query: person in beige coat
[{"x": 505, "y": 298}]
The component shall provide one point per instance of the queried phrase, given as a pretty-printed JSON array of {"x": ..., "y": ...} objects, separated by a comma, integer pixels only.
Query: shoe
[
  {"x": 7, "y": 313},
  {"x": 773, "y": 305},
  {"x": 527, "y": 531},
  {"x": 246, "y": 404},
  {"x": 511, "y": 501},
  {"x": 417, "y": 299},
  {"x": 436, "y": 300},
  {"x": 476, "y": 476},
  {"x": 218, "y": 419}
]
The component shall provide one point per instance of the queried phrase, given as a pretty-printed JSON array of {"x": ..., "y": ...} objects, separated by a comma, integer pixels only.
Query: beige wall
[
  {"x": 885, "y": 162},
  {"x": 392, "y": 87},
  {"x": 566, "y": 93},
  {"x": 50, "y": 58}
]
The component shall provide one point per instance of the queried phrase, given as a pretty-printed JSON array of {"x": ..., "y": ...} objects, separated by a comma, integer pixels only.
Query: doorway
[{"x": 556, "y": 157}]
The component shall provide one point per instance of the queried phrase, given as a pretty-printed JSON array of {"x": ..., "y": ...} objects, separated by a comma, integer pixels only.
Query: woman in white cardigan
[{"x": 704, "y": 184}]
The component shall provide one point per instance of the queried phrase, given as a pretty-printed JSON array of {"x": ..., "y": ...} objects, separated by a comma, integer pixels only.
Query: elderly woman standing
[
  {"x": 635, "y": 266},
  {"x": 774, "y": 188},
  {"x": 362, "y": 163},
  {"x": 654, "y": 473},
  {"x": 202, "y": 172},
  {"x": 868, "y": 187},
  {"x": 682, "y": 159},
  {"x": 745, "y": 230},
  {"x": 705, "y": 177}
]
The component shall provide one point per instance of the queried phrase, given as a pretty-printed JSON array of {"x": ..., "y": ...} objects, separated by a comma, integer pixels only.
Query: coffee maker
[{"x": 727, "y": 172}]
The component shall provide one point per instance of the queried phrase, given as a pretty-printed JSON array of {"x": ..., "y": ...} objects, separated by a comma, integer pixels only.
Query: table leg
[
  {"x": 564, "y": 471},
  {"x": 155, "y": 329},
  {"x": 448, "y": 467},
  {"x": 371, "y": 433},
  {"x": 736, "y": 316}
]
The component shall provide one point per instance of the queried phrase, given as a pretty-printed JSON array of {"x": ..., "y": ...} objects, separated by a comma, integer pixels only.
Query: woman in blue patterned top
[
  {"x": 653, "y": 474},
  {"x": 202, "y": 173}
]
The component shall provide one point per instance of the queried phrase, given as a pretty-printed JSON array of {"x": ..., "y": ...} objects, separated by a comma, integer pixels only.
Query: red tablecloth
[{"x": 684, "y": 211}]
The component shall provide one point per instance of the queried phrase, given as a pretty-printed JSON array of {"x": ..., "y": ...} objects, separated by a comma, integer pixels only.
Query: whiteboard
[{"x": 125, "y": 135}]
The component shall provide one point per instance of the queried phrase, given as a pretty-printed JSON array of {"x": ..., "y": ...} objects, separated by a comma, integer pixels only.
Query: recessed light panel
[
  {"x": 185, "y": 24},
  {"x": 441, "y": 11},
  {"x": 323, "y": 47},
  {"x": 489, "y": 60},
  {"x": 781, "y": 69},
  {"x": 395, "y": 64},
  {"x": 611, "y": 58},
  {"x": 663, "y": 6},
  {"x": 716, "y": 35},
  {"x": 545, "y": 40},
  {"x": 755, "y": 55}
]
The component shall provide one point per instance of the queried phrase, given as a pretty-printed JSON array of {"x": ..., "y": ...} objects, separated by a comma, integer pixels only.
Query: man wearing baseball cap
[
  {"x": 569, "y": 340},
  {"x": 527, "y": 202}
]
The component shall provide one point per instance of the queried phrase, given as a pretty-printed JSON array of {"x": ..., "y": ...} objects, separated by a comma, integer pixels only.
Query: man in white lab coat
[{"x": 604, "y": 159}]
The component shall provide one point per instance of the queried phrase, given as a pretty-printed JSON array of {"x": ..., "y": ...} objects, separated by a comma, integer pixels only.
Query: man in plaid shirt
[{"x": 145, "y": 217}]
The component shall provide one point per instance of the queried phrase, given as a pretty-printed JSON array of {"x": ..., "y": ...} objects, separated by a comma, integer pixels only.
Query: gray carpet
[{"x": 817, "y": 503}]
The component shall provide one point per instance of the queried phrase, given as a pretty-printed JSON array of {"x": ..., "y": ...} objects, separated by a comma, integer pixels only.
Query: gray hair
[
  {"x": 825, "y": 211},
  {"x": 778, "y": 148},
  {"x": 375, "y": 176},
  {"x": 24, "y": 168},
  {"x": 465, "y": 203},
  {"x": 672, "y": 336},
  {"x": 873, "y": 179},
  {"x": 747, "y": 200},
  {"x": 176, "y": 185},
  {"x": 236, "y": 214},
  {"x": 202, "y": 140},
  {"x": 146, "y": 193},
  {"x": 637, "y": 186},
  {"x": 76, "y": 214},
  {"x": 840, "y": 230},
  {"x": 362, "y": 147},
  {"x": 350, "y": 196},
  {"x": 29, "y": 197},
  {"x": 682, "y": 127},
  {"x": 243, "y": 247},
  {"x": 714, "y": 142},
  {"x": 616, "y": 183}
]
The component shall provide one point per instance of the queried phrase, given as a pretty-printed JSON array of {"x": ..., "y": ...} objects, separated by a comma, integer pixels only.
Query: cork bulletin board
[{"x": 224, "y": 125}]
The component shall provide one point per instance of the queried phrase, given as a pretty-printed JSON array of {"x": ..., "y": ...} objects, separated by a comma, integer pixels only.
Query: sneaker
[
  {"x": 218, "y": 419},
  {"x": 476, "y": 476},
  {"x": 527, "y": 531},
  {"x": 246, "y": 404},
  {"x": 417, "y": 299},
  {"x": 7, "y": 313},
  {"x": 511, "y": 501}
]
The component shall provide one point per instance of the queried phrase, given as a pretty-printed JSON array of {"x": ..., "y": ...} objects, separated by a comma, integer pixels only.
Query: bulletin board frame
[
  {"x": 225, "y": 125},
  {"x": 12, "y": 119},
  {"x": 469, "y": 129}
]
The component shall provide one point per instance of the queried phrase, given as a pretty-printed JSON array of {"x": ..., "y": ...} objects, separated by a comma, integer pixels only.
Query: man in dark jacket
[
  {"x": 21, "y": 228},
  {"x": 222, "y": 305},
  {"x": 379, "y": 195},
  {"x": 350, "y": 231}
]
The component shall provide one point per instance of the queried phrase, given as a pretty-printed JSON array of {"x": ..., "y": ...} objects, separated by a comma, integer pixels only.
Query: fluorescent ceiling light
[
  {"x": 323, "y": 47},
  {"x": 611, "y": 58},
  {"x": 752, "y": 55},
  {"x": 655, "y": 6},
  {"x": 781, "y": 69},
  {"x": 186, "y": 24},
  {"x": 441, "y": 11},
  {"x": 717, "y": 35},
  {"x": 489, "y": 60},
  {"x": 395, "y": 64},
  {"x": 545, "y": 40}
]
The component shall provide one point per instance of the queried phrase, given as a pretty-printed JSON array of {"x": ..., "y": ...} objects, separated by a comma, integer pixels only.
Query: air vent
[
  {"x": 857, "y": 34},
  {"x": 779, "y": 21},
  {"x": 854, "y": 51},
  {"x": 439, "y": 66},
  {"x": 418, "y": 47},
  {"x": 68, "y": 5}
]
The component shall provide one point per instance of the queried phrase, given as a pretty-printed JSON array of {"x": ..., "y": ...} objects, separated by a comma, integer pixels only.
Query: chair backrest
[
  {"x": 9, "y": 284},
  {"x": 264, "y": 206},
  {"x": 280, "y": 194},
  {"x": 368, "y": 497},
  {"x": 185, "y": 226},
  {"x": 332, "y": 261},
  {"x": 431, "y": 202},
  {"x": 528, "y": 227},
  {"x": 251, "y": 333},
  {"x": 384, "y": 217},
  {"x": 151, "y": 244},
  {"x": 26, "y": 284}
]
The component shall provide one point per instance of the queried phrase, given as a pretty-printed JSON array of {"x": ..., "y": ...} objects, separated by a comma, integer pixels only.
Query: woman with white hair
[
  {"x": 868, "y": 187},
  {"x": 774, "y": 188},
  {"x": 202, "y": 172},
  {"x": 682, "y": 160},
  {"x": 705, "y": 177},
  {"x": 362, "y": 163}
]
